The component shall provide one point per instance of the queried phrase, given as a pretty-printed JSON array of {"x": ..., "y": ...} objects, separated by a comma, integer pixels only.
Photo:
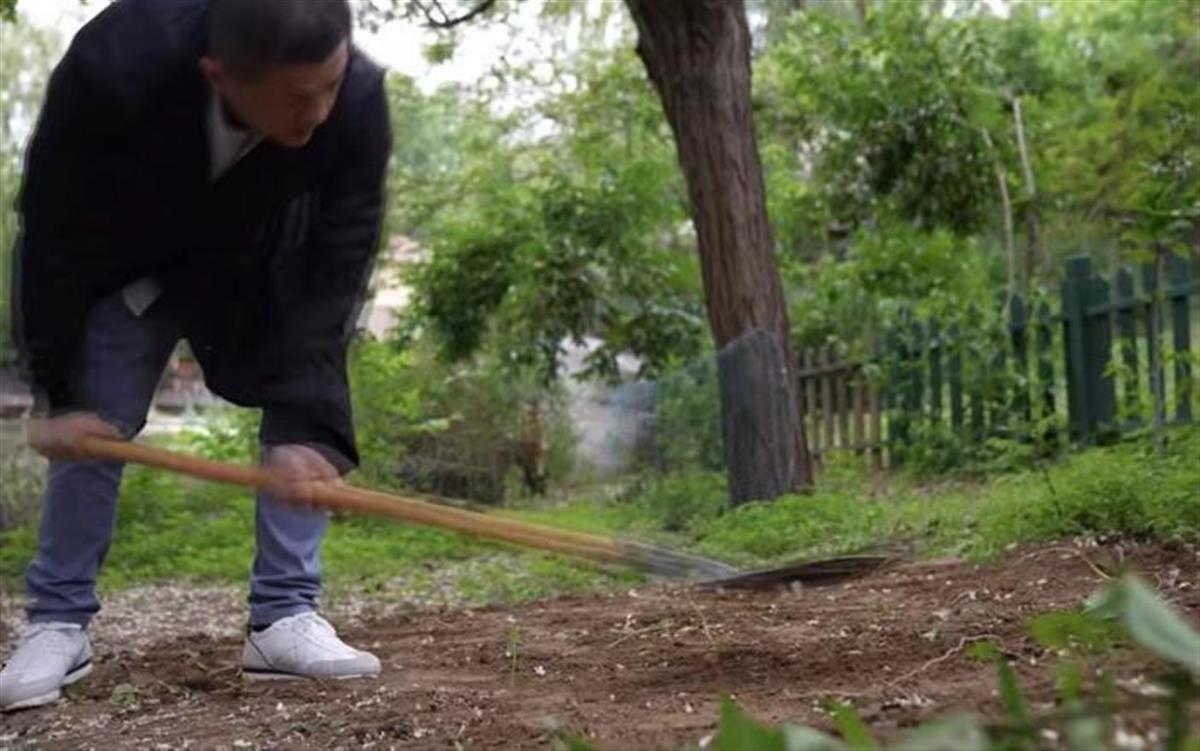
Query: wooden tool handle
[
  {"x": 204, "y": 469},
  {"x": 339, "y": 497}
]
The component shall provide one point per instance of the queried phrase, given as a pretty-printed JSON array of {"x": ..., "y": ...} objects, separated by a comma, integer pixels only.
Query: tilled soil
[{"x": 637, "y": 670}]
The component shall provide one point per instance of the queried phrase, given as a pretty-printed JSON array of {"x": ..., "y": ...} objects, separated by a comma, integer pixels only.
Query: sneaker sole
[
  {"x": 53, "y": 696},
  {"x": 251, "y": 674}
]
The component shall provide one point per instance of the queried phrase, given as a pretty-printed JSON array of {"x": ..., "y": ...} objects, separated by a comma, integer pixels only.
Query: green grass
[
  {"x": 1122, "y": 489},
  {"x": 175, "y": 529},
  {"x": 169, "y": 528}
]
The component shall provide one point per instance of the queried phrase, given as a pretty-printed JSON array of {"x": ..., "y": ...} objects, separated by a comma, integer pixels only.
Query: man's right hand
[{"x": 61, "y": 437}]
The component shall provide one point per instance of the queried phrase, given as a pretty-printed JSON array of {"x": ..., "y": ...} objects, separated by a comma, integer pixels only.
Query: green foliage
[
  {"x": 961, "y": 732},
  {"x": 174, "y": 528},
  {"x": 687, "y": 418},
  {"x": 171, "y": 529},
  {"x": 1122, "y": 490},
  {"x": 886, "y": 109},
  {"x": 26, "y": 54},
  {"x": 1128, "y": 152},
  {"x": 813, "y": 525},
  {"x": 534, "y": 245},
  {"x": 1151, "y": 623},
  {"x": 852, "y": 728},
  {"x": 1118, "y": 490},
  {"x": 737, "y": 731},
  {"x": 567, "y": 742},
  {"x": 893, "y": 269},
  {"x": 1013, "y": 701},
  {"x": 536, "y": 576},
  {"x": 883, "y": 136},
  {"x": 452, "y": 429},
  {"x": 229, "y": 435},
  {"x": 685, "y": 501},
  {"x": 889, "y": 115},
  {"x": 1075, "y": 631},
  {"x": 24, "y": 475}
]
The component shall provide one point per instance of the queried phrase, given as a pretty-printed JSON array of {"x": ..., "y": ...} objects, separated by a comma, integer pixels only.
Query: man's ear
[{"x": 211, "y": 70}]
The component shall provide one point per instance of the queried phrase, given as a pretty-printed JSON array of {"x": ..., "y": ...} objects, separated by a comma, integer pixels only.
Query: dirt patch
[{"x": 643, "y": 669}]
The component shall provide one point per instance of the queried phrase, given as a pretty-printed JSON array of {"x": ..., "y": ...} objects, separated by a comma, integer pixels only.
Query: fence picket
[
  {"x": 875, "y": 404},
  {"x": 1079, "y": 271},
  {"x": 827, "y": 403},
  {"x": 858, "y": 389},
  {"x": 1181, "y": 338},
  {"x": 1045, "y": 354},
  {"x": 1018, "y": 327},
  {"x": 916, "y": 371},
  {"x": 1154, "y": 339},
  {"x": 1098, "y": 342},
  {"x": 956, "y": 378},
  {"x": 841, "y": 388},
  {"x": 809, "y": 359},
  {"x": 1127, "y": 332},
  {"x": 895, "y": 396},
  {"x": 936, "y": 348},
  {"x": 978, "y": 374},
  {"x": 927, "y": 365}
]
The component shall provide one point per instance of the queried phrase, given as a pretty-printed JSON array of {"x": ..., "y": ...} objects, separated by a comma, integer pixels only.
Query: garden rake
[{"x": 336, "y": 496}]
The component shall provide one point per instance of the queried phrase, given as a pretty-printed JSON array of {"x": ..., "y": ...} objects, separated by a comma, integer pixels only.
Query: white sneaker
[
  {"x": 303, "y": 646},
  {"x": 48, "y": 657}
]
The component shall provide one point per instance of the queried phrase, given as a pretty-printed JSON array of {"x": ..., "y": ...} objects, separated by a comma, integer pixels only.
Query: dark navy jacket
[{"x": 265, "y": 267}]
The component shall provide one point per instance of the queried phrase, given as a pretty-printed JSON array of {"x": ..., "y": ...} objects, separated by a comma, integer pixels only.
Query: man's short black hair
[{"x": 249, "y": 36}]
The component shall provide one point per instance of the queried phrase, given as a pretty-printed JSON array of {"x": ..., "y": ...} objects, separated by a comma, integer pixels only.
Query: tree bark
[{"x": 697, "y": 55}]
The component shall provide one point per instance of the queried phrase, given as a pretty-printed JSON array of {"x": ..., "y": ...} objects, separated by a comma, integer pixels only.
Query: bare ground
[{"x": 634, "y": 670}]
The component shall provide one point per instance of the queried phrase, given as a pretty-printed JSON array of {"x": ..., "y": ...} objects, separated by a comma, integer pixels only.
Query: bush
[
  {"x": 420, "y": 424},
  {"x": 1117, "y": 490},
  {"x": 228, "y": 435},
  {"x": 937, "y": 450},
  {"x": 1123, "y": 489},
  {"x": 851, "y": 300},
  {"x": 821, "y": 524},
  {"x": 454, "y": 430},
  {"x": 687, "y": 416},
  {"x": 685, "y": 501},
  {"x": 24, "y": 477}
]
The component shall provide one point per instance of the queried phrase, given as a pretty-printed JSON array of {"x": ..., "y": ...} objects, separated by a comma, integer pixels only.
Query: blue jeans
[{"x": 122, "y": 361}]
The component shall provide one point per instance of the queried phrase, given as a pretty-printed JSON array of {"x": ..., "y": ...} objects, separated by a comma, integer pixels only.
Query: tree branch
[{"x": 446, "y": 22}]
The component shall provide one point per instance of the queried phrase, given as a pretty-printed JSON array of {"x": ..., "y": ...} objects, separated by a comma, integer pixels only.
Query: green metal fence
[{"x": 1080, "y": 362}]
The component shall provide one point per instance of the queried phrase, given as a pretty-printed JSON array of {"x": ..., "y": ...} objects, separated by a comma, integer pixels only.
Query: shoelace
[{"x": 311, "y": 623}]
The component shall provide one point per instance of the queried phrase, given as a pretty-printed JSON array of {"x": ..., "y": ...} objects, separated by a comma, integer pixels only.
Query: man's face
[{"x": 284, "y": 103}]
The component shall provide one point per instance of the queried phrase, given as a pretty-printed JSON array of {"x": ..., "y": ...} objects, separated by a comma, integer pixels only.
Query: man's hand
[
  {"x": 295, "y": 468},
  {"x": 61, "y": 437}
]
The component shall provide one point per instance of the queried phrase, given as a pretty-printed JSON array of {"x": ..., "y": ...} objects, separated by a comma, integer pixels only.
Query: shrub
[{"x": 688, "y": 418}]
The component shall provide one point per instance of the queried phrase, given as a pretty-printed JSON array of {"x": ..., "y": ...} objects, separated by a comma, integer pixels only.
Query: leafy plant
[{"x": 737, "y": 731}]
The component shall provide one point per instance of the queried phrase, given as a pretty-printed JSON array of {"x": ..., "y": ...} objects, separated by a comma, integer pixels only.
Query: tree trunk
[
  {"x": 1030, "y": 210},
  {"x": 1010, "y": 248},
  {"x": 697, "y": 54}
]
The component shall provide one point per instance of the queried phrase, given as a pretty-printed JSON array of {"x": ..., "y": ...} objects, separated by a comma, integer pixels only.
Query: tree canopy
[
  {"x": 552, "y": 206},
  {"x": 898, "y": 144}
]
